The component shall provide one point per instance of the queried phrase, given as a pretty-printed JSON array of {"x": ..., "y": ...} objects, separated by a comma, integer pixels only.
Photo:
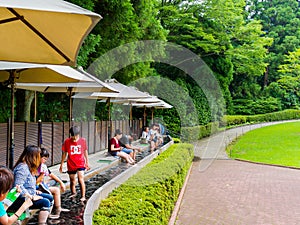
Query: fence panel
[
  {"x": 57, "y": 141},
  {"x": 51, "y": 135},
  {"x": 20, "y": 138},
  {"x": 4, "y": 143},
  {"x": 103, "y": 131}
]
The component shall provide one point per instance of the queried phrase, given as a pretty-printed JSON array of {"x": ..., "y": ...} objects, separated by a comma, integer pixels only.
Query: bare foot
[
  {"x": 82, "y": 199},
  {"x": 73, "y": 195}
]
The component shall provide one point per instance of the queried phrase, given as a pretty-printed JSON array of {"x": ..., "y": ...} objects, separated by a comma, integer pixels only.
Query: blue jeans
[{"x": 43, "y": 204}]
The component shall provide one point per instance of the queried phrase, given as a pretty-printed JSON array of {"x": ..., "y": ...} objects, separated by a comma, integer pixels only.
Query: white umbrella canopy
[
  {"x": 149, "y": 99},
  {"x": 125, "y": 95},
  {"x": 157, "y": 105},
  {"x": 88, "y": 84},
  {"x": 27, "y": 72},
  {"x": 43, "y": 31},
  {"x": 124, "y": 92},
  {"x": 63, "y": 87},
  {"x": 70, "y": 87},
  {"x": 39, "y": 73}
]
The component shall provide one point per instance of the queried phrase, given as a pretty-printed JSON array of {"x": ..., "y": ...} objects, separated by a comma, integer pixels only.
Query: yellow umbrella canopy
[{"x": 43, "y": 31}]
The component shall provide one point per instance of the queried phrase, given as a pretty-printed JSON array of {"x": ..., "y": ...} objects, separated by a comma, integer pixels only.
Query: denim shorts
[
  {"x": 126, "y": 150},
  {"x": 113, "y": 153},
  {"x": 43, "y": 204}
]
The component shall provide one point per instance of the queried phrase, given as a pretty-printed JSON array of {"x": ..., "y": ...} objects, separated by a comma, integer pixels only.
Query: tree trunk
[
  {"x": 266, "y": 77},
  {"x": 24, "y": 100}
]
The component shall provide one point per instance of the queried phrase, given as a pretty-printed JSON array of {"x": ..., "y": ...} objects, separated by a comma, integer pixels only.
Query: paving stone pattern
[{"x": 232, "y": 192}]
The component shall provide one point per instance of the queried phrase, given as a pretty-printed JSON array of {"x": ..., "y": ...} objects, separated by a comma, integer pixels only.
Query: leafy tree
[
  {"x": 291, "y": 65},
  {"x": 280, "y": 20},
  {"x": 218, "y": 32},
  {"x": 248, "y": 57},
  {"x": 124, "y": 22},
  {"x": 59, "y": 104},
  {"x": 286, "y": 88},
  {"x": 24, "y": 99},
  {"x": 5, "y": 106}
]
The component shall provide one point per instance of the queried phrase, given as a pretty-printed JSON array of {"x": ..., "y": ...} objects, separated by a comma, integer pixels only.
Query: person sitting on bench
[{"x": 115, "y": 149}]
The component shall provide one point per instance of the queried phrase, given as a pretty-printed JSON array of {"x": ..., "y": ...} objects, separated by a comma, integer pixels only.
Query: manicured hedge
[
  {"x": 190, "y": 134},
  {"x": 149, "y": 196},
  {"x": 268, "y": 117}
]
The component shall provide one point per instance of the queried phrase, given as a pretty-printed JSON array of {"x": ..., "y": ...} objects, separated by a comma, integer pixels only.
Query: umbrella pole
[
  {"x": 70, "y": 106},
  {"x": 145, "y": 115},
  {"x": 152, "y": 114},
  {"x": 130, "y": 117},
  {"x": 35, "y": 107},
  {"x": 109, "y": 130},
  {"x": 12, "y": 130}
]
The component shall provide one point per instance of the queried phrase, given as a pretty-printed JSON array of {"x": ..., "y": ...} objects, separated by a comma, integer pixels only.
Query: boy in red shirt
[{"x": 77, "y": 162}]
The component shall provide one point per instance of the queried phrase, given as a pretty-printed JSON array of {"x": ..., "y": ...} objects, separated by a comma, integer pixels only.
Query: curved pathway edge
[{"x": 219, "y": 142}]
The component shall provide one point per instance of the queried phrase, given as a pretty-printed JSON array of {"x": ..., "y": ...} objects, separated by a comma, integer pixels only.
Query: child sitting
[
  {"x": 44, "y": 172},
  {"x": 6, "y": 182}
]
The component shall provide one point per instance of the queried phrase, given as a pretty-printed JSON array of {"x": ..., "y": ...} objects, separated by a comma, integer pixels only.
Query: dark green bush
[
  {"x": 258, "y": 106},
  {"x": 149, "y": 196}
]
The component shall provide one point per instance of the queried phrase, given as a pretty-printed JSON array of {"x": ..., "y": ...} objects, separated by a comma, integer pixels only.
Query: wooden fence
[{"x": 52, "y": 134}]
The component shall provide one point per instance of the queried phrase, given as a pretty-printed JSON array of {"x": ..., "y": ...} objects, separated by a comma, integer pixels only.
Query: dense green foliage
[
  {"x": 276, "y": 145},
  {"x": 250, "y": 46},
  {"x": 149, "y": 196}
]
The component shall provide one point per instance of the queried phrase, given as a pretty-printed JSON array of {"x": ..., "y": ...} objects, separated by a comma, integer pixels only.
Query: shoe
[{"x": 83, "y": 199}]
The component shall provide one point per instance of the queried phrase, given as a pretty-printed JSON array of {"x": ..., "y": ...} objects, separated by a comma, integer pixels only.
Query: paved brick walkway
[{"x": 224, "y": 191}]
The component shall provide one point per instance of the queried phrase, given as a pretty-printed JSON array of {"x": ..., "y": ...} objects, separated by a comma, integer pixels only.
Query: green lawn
[{"x": 276, "y": 144}]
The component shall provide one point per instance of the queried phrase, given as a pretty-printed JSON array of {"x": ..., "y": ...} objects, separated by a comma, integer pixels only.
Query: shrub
[
  {"x": 189, "y": 134},
  {"x": 149, "y": 196}
]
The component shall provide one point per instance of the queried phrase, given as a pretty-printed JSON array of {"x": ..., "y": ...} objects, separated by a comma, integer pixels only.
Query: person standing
[{"x": 75, "y": 149}]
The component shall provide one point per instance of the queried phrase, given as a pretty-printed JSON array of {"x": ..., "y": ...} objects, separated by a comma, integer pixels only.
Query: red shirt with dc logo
[{"x": 75, "y": 150}]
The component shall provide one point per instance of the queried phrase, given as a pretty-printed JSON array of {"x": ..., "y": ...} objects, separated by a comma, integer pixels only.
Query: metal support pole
[{"x": 12, "y": 130}]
